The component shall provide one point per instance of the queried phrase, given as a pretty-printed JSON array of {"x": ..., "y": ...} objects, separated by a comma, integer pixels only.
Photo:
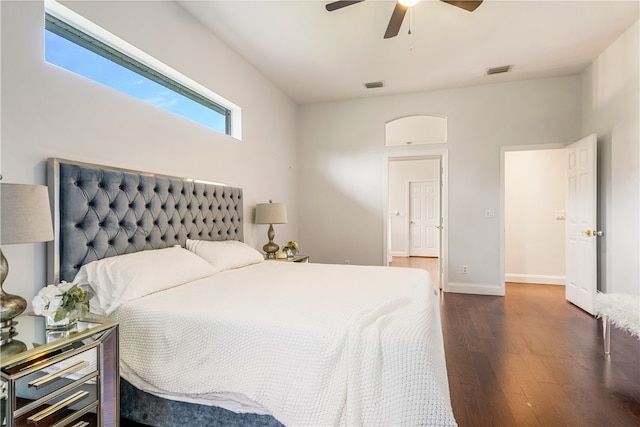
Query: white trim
[
  {"x": 402, "y": 254},
  {"x": 443, "y": 155},
  {"x": 67, "y": 15},
  {"x": 440, "y": 119},
  {"x": 475, "y": 288},
  {"x": 535, "y": 279}
]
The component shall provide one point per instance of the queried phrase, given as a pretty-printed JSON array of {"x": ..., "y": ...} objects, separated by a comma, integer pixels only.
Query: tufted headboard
[{"x": 101, "y": 212}]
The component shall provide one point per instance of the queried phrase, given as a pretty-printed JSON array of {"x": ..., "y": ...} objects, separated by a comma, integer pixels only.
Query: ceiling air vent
[
  {"x": 498, "y": 70},
  {"x": 373, "y": 85}
]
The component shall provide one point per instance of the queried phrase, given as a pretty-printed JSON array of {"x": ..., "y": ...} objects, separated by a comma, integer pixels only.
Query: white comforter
[{"x": 315, "y": 344}]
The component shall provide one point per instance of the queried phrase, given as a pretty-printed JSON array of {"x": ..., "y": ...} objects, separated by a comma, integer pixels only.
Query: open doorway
[
  {"x": 579, "y": 216},
  {"x": 416, "y": 213},
  {"x": 534, "y": 216}
]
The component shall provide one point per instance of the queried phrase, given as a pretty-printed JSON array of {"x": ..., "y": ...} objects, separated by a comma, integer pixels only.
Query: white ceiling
[{"x": 314, "y": 55}]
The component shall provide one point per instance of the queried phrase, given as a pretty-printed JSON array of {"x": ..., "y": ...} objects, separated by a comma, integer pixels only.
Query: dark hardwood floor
[
  {"x": 532, "y": 359},
  {"x": 431, "y": 264}
]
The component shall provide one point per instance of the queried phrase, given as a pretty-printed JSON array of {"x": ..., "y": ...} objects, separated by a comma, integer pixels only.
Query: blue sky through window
[{"x": 66, "y": 54}]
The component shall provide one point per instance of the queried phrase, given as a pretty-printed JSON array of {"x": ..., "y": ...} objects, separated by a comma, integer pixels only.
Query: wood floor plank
[{"x": 495, "y": 401}]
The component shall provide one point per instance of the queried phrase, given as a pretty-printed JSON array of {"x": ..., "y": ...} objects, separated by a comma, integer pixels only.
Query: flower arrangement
[
  {"x": 291, "y": 247},
  {"x": 61, "y": 299}
]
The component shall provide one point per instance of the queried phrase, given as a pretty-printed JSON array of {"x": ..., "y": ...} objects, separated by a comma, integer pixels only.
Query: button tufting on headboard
[{"x": 105, "y": 212}]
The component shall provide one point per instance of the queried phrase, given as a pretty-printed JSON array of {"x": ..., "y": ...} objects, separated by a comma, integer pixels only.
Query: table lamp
[
  {"x": 25, "y": 217},
  {"x": 271, "y": 213}
]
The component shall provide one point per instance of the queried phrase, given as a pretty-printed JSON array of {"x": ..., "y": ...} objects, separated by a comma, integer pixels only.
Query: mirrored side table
[{"x": 59, "y": 378}]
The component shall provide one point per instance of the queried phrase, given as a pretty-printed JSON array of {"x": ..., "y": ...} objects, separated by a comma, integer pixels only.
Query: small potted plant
[
  {"x": 290, "y": 248},
  {"x": 59, "y": 304}
]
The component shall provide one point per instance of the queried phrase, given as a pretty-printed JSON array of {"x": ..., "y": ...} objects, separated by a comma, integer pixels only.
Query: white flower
[
  {"x": 48, "y": 300},
  {"x": 50, "y": 292},
  {"x": 63, "y": 286},
  {"x": 59, "y": 300},
  {"x": 39, "y": 305}
]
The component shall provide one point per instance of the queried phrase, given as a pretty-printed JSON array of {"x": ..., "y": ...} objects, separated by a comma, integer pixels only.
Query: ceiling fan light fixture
[
  {"x": 408, "y": 3},
  {"x": 400, "y": 10}
]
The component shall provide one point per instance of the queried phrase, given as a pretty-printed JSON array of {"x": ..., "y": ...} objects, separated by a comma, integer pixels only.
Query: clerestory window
[{"x": 77, "y": 51}]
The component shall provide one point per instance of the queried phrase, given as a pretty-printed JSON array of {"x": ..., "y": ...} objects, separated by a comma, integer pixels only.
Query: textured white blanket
[{"x": 315, "y": 344}]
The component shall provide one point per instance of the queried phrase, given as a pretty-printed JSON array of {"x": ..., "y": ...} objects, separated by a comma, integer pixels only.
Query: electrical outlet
[{"x": 465, "y": 269}]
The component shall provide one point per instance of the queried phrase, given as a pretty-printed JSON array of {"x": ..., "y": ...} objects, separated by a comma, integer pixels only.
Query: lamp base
[
  {"x": 270, "y": 248},
  {"x": 12, "y": 348},
  {"x": 10, "y": 305}
]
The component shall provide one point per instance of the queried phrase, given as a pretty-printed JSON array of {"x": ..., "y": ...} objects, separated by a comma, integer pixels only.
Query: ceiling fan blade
[
  {"x": 396, "y": 21},
  {"x": 340, "y": 4},
  {"x": 462, "y": 4}
]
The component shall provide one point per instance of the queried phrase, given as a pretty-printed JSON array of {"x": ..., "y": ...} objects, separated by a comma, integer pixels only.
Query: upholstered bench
[{"x": 619, "y": 310}]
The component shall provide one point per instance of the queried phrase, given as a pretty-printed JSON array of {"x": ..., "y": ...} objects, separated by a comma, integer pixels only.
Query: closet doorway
[{"x": 534, "y": 215}]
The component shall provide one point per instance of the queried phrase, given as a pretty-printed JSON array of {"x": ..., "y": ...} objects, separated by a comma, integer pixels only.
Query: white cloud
[{"x": 164, "y": 99}]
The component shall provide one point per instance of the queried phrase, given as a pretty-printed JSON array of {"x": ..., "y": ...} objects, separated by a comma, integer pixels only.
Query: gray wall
[
  {"x": 326, "y": 161},
  {"x": 611, "y": 108},
  {"x": 47, "y": 111},
  {"x": 341, "y": 167},
  {"x": 342, "y": 154}
]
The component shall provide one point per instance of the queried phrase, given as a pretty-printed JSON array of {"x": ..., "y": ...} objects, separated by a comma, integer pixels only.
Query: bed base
[{"x": 144, "y": 408}]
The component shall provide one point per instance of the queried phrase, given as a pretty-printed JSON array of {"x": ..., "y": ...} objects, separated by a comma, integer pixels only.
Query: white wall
[
  {"x": 611, "y": 108},
  {"x": 401, "y": 173},
  {"x": 342, "y": 206},
  {"x": 534, "y": 238},
  {"x": 49, "y": 112}
]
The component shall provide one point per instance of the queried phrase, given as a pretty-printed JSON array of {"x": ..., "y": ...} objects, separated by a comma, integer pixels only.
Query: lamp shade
[
  {"x": 25, "y": 214},
  {"x": 271, "y": 213}
]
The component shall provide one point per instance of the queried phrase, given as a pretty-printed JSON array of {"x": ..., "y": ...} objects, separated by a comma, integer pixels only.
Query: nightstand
[
  {"x": 297, "y": 258},
  {"x": 60, "y": 378}
]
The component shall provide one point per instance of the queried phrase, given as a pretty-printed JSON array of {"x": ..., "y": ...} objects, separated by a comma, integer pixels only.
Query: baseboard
[
  {"x": 539, "y": 279},
  {"x": 403, "y": 254},
  {"x": 474, "y": 288}
]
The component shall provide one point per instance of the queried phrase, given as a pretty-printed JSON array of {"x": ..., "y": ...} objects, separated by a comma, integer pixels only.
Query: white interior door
[
  {"x": 581, "y": 222},
  {"x": 424, "y": 221}
]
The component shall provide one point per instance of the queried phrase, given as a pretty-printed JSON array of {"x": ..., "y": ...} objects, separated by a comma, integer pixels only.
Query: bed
[{"x": 212, "y": 334}]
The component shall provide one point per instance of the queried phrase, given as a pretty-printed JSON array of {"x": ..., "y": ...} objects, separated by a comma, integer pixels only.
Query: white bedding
[{"x": 314, "y": 344}]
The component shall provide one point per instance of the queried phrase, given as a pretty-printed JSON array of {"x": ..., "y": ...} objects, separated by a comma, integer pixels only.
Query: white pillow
[
  {"x": 118, "y": 279},
  {"x": 224, "y": 255}
]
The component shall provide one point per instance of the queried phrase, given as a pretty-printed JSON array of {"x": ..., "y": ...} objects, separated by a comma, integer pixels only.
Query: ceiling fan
[{"x": 401, "y": 9}]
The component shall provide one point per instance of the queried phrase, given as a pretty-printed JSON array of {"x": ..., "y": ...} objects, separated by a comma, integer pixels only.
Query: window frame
[{"x": 68, "y": 24}]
